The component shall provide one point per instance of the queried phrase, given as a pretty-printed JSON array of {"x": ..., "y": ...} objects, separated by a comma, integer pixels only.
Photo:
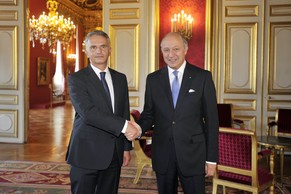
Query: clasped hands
[{"x": 133, "y": 131}]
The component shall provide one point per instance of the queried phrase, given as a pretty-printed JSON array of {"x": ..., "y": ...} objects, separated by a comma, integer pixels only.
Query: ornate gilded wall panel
[
  {"x": 280, "y": 10},
  {"x": 132, "y": 13},
  {"x": 126, "y": 60},
  {"x": 279, "y": 65},
  {"x": 242, "y": 104},
  {"x": 8, "y": 56},
  {"x": 8, "y": 122},
  {"x": 273, "y": 105},
  {"x": 237, "y": 11},
  {"x": 240, "y": 58},
  {"x": 8, "y": 99},
  {"x": 8, "y": 15},
  {"x": 134, "y": 101},
  {"x": 249, "y": 121},
  {"x": 8, "y": 2}
]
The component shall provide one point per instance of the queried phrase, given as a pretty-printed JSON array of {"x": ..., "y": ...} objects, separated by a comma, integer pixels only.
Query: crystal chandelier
[
  {"x": 182, "y": 23},
  {"x": 51, "y": 28}
]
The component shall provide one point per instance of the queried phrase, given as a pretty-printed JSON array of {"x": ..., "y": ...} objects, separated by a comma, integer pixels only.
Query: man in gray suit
[
  {"x": 180, "y": 102},
  {"x": 101, "y": 135}
]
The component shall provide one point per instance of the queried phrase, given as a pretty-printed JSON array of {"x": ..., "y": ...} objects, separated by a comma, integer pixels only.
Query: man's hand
[
  {"x": 126, "y": 158},
  {"x": 209, "y": 169},
  {"x": 132, "y": 131}
]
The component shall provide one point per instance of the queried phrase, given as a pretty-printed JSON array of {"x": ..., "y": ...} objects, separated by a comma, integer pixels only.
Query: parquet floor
[{"x": 48, "y": 136}]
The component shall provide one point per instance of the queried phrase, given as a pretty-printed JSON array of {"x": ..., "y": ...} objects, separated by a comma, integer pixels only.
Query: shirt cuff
[
  {"x": 124, "y": 127},
  {"x": 211, "y": 162}
]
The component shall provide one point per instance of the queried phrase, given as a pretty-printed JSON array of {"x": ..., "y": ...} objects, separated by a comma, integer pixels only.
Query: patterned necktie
[
  {"x": 175, "y": 88},
  {"x": 104, "y": 83}
]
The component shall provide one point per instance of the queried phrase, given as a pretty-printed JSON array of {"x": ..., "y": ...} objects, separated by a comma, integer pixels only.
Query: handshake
[{"x": 133, "y": 131}]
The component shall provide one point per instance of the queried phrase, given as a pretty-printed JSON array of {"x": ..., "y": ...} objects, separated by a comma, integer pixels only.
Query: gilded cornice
[{"x": 89, "y": 13}]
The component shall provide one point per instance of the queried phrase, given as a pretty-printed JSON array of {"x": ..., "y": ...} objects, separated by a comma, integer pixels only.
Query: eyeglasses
[{"x": 94, "y": 48}]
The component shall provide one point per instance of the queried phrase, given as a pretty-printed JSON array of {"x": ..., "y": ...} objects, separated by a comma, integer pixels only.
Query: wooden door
[{"x": 253, "y": 58}]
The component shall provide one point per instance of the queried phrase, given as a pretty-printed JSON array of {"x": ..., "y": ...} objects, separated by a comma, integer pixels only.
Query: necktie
[
  {"x": 104, "y": 83},
  {"x": 175, "y": 87}
]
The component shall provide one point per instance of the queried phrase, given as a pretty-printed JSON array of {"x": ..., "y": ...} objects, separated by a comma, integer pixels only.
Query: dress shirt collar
[
  {"x": 181, "y": 71},
  {"x": 97, "y": 71}
]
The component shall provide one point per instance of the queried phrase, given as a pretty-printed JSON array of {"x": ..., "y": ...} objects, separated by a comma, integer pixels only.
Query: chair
[
  {"x": 237, "y": 165},
  {"x": 282, "y": 124},
  {"x": 142, "y": 149},
  {"x": 280, "y": 127},
  {"x": 226, "y": 118}
]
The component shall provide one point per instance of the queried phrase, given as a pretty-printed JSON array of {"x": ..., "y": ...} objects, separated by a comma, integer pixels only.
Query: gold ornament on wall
[{"x": 183, "y": 24}]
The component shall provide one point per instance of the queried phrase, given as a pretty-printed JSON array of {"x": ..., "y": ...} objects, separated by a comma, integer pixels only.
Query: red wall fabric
[
  {"x": 39, "y": 96},
  {"x": 197, "y": 9}
]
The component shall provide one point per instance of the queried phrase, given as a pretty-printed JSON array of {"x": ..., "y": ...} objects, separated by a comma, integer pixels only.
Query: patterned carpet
[{"x": 19, "y": 177}]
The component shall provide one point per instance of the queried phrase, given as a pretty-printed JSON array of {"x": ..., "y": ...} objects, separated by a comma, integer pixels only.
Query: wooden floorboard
[{"x": 48, "y": 136}]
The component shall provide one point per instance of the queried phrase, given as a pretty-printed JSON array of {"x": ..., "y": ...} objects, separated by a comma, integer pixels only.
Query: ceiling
[{"x": 89, "y": 4}]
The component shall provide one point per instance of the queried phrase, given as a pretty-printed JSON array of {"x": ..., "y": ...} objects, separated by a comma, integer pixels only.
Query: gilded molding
[
  {"x": 242, "y": 11},
  {"x": 242, "y": 104},
  {"x": 89, "y": 4},
  {"x": 8, "y": 99},
  {"x": 125, "y": 40},
  {"x": 280, "y": 10},
  {"x": 134, "y": 101},
  {"x": 124, "y": 1},
  {"x": 130, "y": 13},
  {"x": 8, "y": 15},
  {"x": 8, "y": 2},
  {"x": 9, "y": 123},
  {"x": 249, "y": 121},
  {"x": 280, "y": 33},
  {"x": 89, "y": 17},
  {"x": 9, "y": 57},
  {"x": 273, "y": 105},
  {"x": 240, "y": 70}
]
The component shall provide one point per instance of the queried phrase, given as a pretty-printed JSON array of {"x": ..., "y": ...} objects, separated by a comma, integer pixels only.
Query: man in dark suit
[
  {"x": 98, "y": 146},
  {"x": 180, "y": 102}
]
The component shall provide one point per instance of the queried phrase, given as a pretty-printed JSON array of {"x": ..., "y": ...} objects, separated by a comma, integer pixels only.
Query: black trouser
[
  {"x": 168, "y": 183},
  {"x": 88, "y": 181}
]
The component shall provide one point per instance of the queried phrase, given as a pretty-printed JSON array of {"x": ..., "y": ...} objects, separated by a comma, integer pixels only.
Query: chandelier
[
  {"x": 51, "y": 28},
  {"x": 182, "y": 23}
]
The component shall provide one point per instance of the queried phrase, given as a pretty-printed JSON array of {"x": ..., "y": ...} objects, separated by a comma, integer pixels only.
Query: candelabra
[
  {"x": 182, "y": 23},
  {"x": 51, "y": 28}
]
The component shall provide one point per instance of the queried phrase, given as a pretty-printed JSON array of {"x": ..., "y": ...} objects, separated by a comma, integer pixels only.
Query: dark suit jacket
[
  {"x": 96, "y": 130},
  {"x": 193, "y": 125}
]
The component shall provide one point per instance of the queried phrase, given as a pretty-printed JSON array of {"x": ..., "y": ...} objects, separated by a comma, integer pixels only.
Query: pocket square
[{"x": 191, "y": 90}]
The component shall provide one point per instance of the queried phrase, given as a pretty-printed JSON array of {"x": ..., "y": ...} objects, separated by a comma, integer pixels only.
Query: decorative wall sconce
[{"x": 182, "y": 23}]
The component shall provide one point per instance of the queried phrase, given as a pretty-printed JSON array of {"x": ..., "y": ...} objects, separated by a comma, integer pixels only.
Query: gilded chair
[
  {"x": 226, "y": 118},
  {"x": 142, "y": 149},
  {"x": 280, "y": 127},
  {"x": 237, "y": 165}
]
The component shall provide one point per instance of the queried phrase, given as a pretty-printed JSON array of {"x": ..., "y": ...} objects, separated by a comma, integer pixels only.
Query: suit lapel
[
  {"x": 116, "y": 88},
  {"x": 98, "y": 86},
  {"x": 185, "y": 85},
  {"x": 166, "y": 86}
]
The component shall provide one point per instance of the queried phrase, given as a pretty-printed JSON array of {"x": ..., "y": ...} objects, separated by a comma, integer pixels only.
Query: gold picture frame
[{"x": 43, "y": 71}]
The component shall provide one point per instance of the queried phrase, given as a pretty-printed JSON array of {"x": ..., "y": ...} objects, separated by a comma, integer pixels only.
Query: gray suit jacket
[
  {"x": 193, "y": 125},
  {"x": 97, "y": 130}
]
